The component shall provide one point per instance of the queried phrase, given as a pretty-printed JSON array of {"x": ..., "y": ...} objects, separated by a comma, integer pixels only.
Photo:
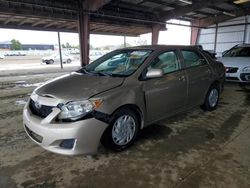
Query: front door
[{"x": 166, "y": 95}]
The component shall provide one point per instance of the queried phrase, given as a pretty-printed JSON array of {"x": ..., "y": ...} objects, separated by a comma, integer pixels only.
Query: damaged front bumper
[{"x": 67, "y": 138}]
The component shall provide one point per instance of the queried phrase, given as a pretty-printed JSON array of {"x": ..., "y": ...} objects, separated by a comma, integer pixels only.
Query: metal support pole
[
  {"x": 155, "y": 34},
  {"x": 195, "y": 32},
  {"x": 124, "y": 41},
  {"x": 83, "y": 29},
  {"x": 245, "y": 30},
  {"x": 60, "y": 49},
  {"x": 215, "y": 38}
]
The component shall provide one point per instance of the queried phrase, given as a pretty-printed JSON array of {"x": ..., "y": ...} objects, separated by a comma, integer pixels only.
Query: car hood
[
  {"x": 77, "y": 86},
  {"x": 235, "y": 61}
]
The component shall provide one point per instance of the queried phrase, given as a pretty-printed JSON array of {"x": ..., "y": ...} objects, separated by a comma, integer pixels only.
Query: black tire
[
  {"x": 51, "y": 61},
  {"x": 107, "y": 138},
  {"x": 69, "y": 60},
  {"x": 207, "y": 106}
]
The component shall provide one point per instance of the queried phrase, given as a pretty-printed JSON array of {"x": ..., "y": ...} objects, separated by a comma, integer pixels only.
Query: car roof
[
  {"x": 161, "y": 47},
  {"x": 243, "y": 45}
]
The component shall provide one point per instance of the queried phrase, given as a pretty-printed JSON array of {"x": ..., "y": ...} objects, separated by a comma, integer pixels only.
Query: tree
[
  {"x": 91, "y": 47},
  {"x": 106, "y": 48},
  {"x": 140, "y": 42},
  {"x": 15, "y": 45},
  {"x": 68, "y": 45}
]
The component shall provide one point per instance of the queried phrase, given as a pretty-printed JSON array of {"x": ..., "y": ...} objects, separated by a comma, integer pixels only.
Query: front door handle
[{"x": 182, "y": 78}]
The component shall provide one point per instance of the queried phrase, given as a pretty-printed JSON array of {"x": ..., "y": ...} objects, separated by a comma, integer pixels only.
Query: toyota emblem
[{"x": 38, "y": 105}]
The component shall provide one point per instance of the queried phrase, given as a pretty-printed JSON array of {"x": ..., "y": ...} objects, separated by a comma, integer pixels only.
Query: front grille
[
  {"x": 33, "y": 135},
  {"x": 43, "y": 111},
  {"x": 231, "y": 69}
]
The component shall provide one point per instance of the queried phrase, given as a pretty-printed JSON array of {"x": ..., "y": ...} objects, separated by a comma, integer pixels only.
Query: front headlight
[
  {"x": 78, "y": 109},
  {"x": 246, "y": 69}
]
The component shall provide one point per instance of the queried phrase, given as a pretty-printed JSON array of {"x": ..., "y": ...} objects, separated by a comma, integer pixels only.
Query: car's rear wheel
[
  {"x": 122, "y": 130},
  {"x": 212, "y": 98}
]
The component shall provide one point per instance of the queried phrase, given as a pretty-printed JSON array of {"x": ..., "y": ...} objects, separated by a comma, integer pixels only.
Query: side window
[
  {"x": 166, "y": 61},
  {"x": 192, "y": 58}
]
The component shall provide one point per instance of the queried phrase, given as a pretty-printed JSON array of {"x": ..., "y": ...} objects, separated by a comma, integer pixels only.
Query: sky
[{"x": 173, "y": 35}]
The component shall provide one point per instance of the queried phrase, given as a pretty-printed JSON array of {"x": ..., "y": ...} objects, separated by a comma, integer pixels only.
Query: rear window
[{"x": 192, "y": 58}]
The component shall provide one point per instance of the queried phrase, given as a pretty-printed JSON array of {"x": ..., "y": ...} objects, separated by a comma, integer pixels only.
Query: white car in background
[
  {"x": 1, "y": 56},
  {"x": 237, "y": 63},
  {"x": 55, "y": 58},
  {"x": 93, "y": 55}
]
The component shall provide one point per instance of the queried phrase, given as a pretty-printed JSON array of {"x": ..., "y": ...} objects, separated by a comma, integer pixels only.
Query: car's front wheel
[
  {"x": 51, "y": 61},
  {"x": 69, "y": 60},
  {"x": 212, "y": 98},
  {"x": 122, "y": 130}
]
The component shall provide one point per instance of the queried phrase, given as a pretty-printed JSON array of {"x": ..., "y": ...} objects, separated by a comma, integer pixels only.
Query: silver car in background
[{"x": 237, "y": 63}]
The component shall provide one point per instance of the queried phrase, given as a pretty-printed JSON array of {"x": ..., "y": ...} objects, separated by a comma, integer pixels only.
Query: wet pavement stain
[
  {"x": 210, "y": 135},
  {"x": 19, "y": 85},
  {"x": 13, "y": 138},
  {"x": 32, "y": 184},
  {"x": 154, "y": 132},
  {"x": 246, "y": 91},
  {"x": 17, "y": 96},
  {"x": 231, "y": 123},
  {"x": 6, "y": 182},
  {"x": 11, "y": 114},
  {"x": 20, "y": 102}
]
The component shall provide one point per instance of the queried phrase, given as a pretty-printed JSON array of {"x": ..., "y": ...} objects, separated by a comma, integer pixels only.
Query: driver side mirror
[{"x": 154, "y": 73}]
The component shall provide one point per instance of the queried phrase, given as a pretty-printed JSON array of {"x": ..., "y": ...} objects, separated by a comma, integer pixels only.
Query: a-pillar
[
  {"x": 83, "y": 30},
  {"x": 155, "y": 34}
]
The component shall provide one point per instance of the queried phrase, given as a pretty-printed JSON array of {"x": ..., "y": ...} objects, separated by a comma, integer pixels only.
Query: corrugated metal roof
[{"x": 120, "y": 17}]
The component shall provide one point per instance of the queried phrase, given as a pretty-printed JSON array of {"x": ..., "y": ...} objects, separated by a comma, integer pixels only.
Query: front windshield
[
  {"x": 118, "y": 63},
  {"x": 238, "y": 52}
]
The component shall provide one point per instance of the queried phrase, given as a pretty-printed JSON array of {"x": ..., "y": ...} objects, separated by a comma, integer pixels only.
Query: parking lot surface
[{"x": 194, "y": 149}]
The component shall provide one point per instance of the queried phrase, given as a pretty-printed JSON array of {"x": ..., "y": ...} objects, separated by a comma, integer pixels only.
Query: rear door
[
  {"x": 198, "y": 75},
  {"x": 166, "y": 95}
]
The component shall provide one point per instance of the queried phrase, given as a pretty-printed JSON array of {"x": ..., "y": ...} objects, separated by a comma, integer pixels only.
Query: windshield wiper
[
  {"x": 109, "y": 74},
  {"x": 103, "y": 74},
  {"x": 83, "y": 70},
  {"x": 118, "y": 75}
]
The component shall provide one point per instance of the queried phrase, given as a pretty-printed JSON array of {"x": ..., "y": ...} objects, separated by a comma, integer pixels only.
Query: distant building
[
  {"x": 7, "y": 45},
  {"x": 38, "y": 47}
]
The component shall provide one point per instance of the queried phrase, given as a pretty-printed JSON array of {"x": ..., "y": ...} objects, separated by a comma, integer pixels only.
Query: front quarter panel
[{"x": 131, "y": 94}]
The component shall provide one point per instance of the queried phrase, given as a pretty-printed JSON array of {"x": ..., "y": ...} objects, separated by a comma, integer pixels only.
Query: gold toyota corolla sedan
[{"x": 110, "y": 100}]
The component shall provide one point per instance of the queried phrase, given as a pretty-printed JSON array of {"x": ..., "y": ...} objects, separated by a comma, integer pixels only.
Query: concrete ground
[{"x": 196, "y": 149}]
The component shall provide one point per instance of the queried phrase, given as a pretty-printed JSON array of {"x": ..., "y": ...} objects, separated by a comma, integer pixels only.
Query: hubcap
[
  {"x": 123, "y": 130},
  {"x": 213, "y": 97}
]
